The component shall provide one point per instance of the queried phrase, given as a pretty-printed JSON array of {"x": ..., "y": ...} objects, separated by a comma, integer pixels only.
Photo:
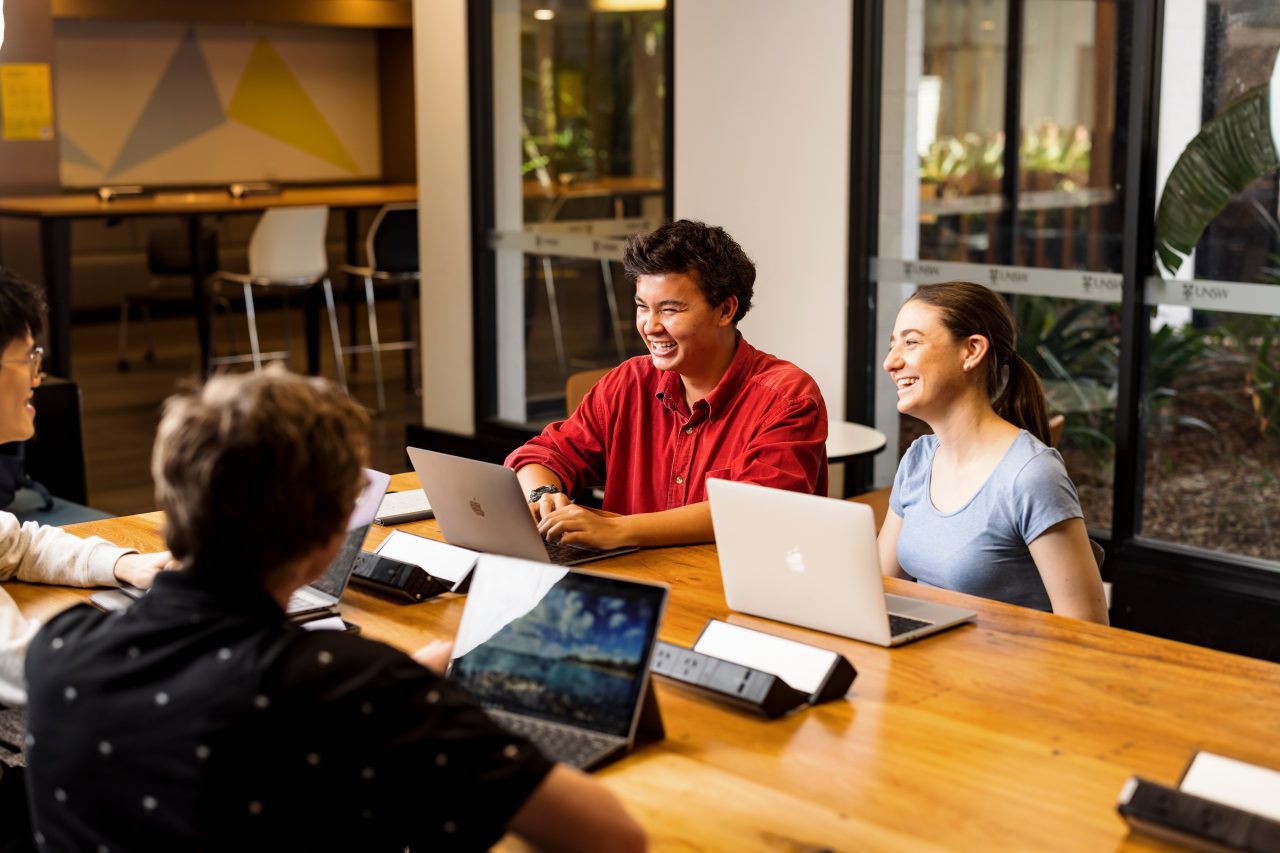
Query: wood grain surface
[
  {"x": 1013, "y": 733},
  {"x": 87, "y": 204}
]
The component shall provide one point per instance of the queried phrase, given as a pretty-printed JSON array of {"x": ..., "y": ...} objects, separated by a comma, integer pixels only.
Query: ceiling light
[{"x": 544, "y": 14}]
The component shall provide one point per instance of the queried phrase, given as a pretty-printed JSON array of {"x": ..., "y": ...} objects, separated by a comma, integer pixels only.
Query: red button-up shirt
[{"x": 764, "y": 422}]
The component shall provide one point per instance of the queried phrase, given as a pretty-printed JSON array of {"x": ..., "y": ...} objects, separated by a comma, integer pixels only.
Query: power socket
[
  {"x": 1177, "y": 816},
  {"x": 741, "y": 686}
]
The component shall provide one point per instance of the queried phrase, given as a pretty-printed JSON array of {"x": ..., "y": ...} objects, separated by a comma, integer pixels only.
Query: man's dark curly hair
[
  {"x": 706, "y": 252},
  {"x": 22, "y": 308}
]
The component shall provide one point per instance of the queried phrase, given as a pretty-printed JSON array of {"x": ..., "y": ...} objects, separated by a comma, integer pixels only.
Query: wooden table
[
  {"x": 847, "y": 441},
  {"x": 617, "y": 188},
  {"x": 55, "y": 213},
  {"x": 1015, "y": 733}
]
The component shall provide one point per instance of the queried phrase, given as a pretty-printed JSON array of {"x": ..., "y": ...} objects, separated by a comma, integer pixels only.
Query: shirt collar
[
  {"x": 189, "y": 592},
  {"x": 670, "y": 391}
]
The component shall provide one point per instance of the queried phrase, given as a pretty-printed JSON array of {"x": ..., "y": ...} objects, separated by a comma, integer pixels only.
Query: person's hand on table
[
  {"x": 435, "y": 655},
  {"x": 140, "y": 569},
  {"x": 576, "y": 525},
  {"x": 548, "y": 504}
]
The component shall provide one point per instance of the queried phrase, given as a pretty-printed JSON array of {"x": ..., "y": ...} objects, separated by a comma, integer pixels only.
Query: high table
[
  {"x": 1016, "y": 732},
  {"x": 55, "y": 213}
]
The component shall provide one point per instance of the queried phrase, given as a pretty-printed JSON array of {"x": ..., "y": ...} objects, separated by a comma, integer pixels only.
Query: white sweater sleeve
[
  {"x": 16, "y": 632},
  {"x": 35, "y": 552}
]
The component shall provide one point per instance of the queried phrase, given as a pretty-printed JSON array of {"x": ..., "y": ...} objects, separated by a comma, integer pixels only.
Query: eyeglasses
[{"x": 34, "y": 360}]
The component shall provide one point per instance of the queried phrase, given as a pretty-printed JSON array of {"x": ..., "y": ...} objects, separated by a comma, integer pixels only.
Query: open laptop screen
[
  {"x": 566, "y": 646},
  {"x": 334, "y": 580}
]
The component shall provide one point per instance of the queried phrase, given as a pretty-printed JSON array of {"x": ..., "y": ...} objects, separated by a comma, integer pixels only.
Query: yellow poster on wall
[{"x": 26, "y": 98}]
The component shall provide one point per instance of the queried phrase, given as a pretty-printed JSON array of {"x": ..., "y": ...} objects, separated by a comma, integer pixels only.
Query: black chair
[
  {"x": 54, "y": 458},
  {"x": 391, "y": 250},
  {"x": 169, "y": 264}
]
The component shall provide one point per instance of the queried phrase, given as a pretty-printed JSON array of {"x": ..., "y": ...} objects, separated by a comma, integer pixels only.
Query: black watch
[{"x": 536, "y": 494}]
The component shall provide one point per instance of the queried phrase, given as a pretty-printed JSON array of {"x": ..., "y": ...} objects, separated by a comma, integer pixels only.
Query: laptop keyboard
[
  {"x": 903, "y": 624},
  {"x": 574, "y": 747},
  {"x": 562, "y": 554},
  {"x": 303, "y": 600}
]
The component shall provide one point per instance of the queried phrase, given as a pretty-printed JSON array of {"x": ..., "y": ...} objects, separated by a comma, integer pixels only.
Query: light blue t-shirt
[{"x": 981, "y": 548}]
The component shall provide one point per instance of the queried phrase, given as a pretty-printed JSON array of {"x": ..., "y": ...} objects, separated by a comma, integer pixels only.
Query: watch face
[{"x": 542, "y": 490}]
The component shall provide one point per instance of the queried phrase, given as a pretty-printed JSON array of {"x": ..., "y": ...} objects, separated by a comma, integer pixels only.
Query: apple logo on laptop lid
[
  {"x": 477, "y": 508},
  {"x": 795, "y": 559}
]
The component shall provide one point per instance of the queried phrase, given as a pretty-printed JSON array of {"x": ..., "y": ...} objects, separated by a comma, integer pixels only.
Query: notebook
[
  {"x": 561, "y": 657},
  {"x": 400, "y": 507},
  {"x": 482, "y": 507},
  {"x": 813, "y": 562}
]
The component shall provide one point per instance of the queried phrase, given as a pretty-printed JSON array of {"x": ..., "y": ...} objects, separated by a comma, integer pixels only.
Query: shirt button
[
  {"x": 679, "y": 479},
  {"x": 688, "y": 430}
]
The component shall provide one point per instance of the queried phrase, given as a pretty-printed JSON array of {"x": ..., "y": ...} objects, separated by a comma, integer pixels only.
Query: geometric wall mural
[
  {"x": 270, "y": 99},
  {"x": 172, "y": 104},
  {"x": 184, "y": 104}
]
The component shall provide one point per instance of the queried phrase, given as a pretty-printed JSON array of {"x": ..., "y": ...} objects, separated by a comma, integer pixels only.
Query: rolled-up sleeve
[{"x": 574, "y": 449}]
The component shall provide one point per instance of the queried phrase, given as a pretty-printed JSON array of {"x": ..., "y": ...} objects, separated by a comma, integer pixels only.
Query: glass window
[
  {"x": 1212, "y": 462},
  {"x": 579, "y": 134},
  {"x": 960, "y": 129},
  {"x": 1060, "y": 212}
]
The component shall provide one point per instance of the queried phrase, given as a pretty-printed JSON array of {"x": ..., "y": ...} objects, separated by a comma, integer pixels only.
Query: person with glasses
[
  {"x": 30, "y": 551},
  {"x": 33, "y": 552}
]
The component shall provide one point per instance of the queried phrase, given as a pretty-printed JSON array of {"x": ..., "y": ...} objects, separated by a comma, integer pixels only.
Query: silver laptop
[
  {"x": 561, "y": 657},
  {"x": 482, "y": 507},
  {"x": 812, "y": 561},
  {"x": 321, "y": 596}
]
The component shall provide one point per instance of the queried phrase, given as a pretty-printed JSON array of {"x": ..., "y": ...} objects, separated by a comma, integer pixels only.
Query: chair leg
[
  {"x": 253, "y": 328},
  {"x": 352, "y": 298},
  {"x": 374, "y": 343},
  {"x": 554, "y": 309},
  {"x": 225, "y": 304},
  {"x": 408, "y": 333},
  {"x": 333, "y": 334},
  {"x": 606, "y": 270}
]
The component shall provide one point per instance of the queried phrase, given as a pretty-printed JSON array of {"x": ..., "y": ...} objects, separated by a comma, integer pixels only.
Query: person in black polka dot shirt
[{"x": 203, "y": 719}]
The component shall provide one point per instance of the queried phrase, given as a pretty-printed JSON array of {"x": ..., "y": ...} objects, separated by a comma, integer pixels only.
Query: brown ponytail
[
  {"x": 971, "y": 309},
  {"x": 1022, "y": 401}
]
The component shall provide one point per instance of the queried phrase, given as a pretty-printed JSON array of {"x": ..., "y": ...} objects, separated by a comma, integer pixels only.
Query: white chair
[{"x": 286, "y": 252}]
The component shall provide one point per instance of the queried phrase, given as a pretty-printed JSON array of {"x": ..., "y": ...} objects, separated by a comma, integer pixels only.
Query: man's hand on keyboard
[
  {"x": 577, "y": 525},
  {"x": 547, "y": 504}
]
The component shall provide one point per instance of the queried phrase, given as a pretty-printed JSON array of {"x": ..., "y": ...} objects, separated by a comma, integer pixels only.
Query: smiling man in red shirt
[{"x": 703, "y": 403}]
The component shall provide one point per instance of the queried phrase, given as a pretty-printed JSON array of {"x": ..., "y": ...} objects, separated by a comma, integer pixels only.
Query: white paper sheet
[
  {"x": 1234, "y": 783},
  {"x": 440, "y": 560}
]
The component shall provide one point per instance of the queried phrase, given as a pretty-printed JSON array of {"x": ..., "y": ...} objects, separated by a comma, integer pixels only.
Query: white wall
[
  {"x": 444, "y": 222},
  {"x": 762, "y": 148}
]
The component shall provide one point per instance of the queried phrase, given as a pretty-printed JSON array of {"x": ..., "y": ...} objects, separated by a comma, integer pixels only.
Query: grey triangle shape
[
  {"x": 184, "y": 104},
  {"x": 72, "y": 154}
]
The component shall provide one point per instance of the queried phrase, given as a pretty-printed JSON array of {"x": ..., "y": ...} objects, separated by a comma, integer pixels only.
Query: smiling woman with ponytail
[{"x": 984, "y": 505}]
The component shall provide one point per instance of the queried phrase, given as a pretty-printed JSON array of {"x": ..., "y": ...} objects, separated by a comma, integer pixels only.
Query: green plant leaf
[{"x": 1231, "y": 151}]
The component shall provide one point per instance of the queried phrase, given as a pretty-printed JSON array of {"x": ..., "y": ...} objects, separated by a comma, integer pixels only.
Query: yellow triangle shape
[{"x": 270, "y": 99}]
